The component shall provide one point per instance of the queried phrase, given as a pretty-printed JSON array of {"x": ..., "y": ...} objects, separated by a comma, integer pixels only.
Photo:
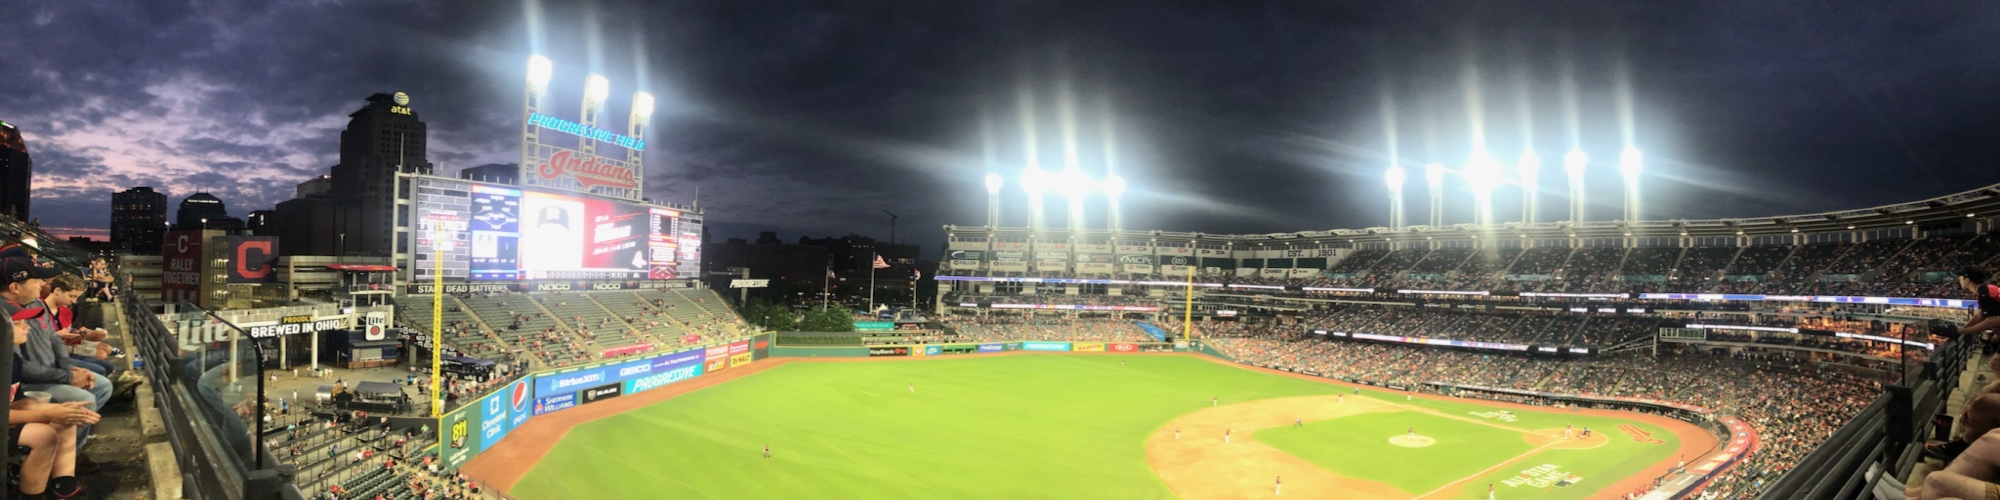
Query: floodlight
[
  {"x": 1114, "y": 185},
  {"x": 1482, "y": 173},
  {"x": 642, "y": 107},
  {"x": 1530, "y": 167},
  {"x": 540, "y": 70},
  {"x": 596, "y": 89},
  {"x": 1575, "y": 162},
  {"x": 1434, "y": 175},
  {"x": 1629, "y": 163},
  {"x": 1035, "y": 181},
  {"x": 992, "y": 183},
  {"x": 1075, "y": 185},
  {"x": 1396, "y": 177}
]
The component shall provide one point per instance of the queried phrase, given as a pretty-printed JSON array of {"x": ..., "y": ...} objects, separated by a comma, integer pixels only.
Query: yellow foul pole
[
  {"x": 1187, "y": 309},
  {"x": 437, "y": 331}
]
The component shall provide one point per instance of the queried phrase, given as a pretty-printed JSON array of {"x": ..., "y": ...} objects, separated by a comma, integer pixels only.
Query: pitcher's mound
[{"x": 1408, "y": 441}]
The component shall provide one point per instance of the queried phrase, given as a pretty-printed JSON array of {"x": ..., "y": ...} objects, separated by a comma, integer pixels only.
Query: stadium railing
[
  {"x": 207, "y": 382},
  {"x": 1885, "y": 438}
]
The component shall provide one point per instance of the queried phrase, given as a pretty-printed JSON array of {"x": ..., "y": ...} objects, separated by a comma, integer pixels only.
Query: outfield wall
[
  {"x": 954, "y": 348},
  {"x": 485, "y": 421}
]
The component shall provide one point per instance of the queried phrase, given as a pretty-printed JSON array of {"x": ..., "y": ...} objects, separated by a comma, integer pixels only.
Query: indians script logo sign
[
  {"x": 252, "y": 259},
  {"x": 590, "y": 171}
]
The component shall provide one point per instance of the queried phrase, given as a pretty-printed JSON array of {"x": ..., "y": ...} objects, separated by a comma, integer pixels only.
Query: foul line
[{"x": 1476, "y": 475}]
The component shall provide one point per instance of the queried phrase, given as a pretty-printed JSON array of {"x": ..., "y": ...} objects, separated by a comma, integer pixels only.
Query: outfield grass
[{"x": 997, "y": 427}]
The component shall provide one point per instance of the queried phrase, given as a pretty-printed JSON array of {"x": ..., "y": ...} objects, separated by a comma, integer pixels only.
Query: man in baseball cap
[{"x": 43, "y": 363}]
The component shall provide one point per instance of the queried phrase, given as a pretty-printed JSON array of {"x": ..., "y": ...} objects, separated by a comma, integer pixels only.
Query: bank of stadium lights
[
  {"x": 1574, "y": 164},
  {"x": 1630, "y": 166},
  {"x": 595, "y": 90},
  {"x": 1395, "y": 178},
  {"x": 540, "y": 70},
  {"x": 1482, "y": 174},
  {"x": 1074, "y": 187},
  {"x": 1434, "y": 178},
  {"x": 1530, "y": 169},
  {"x": 1035, "y": 182},
  {"x": 642, "y": 108}
]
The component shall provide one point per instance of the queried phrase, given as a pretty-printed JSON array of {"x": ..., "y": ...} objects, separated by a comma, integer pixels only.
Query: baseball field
[{"x": 1082, "y": 426}]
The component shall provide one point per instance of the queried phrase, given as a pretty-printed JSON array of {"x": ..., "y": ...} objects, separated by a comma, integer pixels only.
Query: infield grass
[{"x": 1029, "y": 426}]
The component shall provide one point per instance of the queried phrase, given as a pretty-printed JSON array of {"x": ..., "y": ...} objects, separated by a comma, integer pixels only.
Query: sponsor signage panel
[
  {"x": 253, "y": 259},
  {"x": 279, "y": 330},
  {"x": 992, "y": 347},
  {"x": 1087, "y": 347},
  {"x": 669, "y": 369},
  {"x": 1122, "y": 347},
  {"x": 1045, "y": 346},
  {"x": 739, "y": 359},
  {"x": 181, "y": 269},
  {"x": 718, "y": 358},
  {"x": 492, "y": 420},
  {"x": 888, "y": 351},
  {"x": 556, "y": 402},
  {"x": 601, "y": 393},
  {"x": 458, "y": 434},
  {"x": 562, "y": 383},
  {"x": 874, "y": 325}
]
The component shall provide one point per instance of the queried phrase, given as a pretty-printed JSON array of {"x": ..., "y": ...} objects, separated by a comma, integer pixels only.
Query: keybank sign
[{"x": 580, "y": 130}]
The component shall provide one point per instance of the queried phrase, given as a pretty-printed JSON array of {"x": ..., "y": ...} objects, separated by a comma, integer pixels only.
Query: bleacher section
[
  {"x": 521, "y": 321},
  {"x": 593, "y": 324}
]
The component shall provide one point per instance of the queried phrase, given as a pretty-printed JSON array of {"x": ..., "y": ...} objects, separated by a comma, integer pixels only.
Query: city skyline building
[
  {"x": 383, "y": 138},
  {"x": 138, "y": 219}
]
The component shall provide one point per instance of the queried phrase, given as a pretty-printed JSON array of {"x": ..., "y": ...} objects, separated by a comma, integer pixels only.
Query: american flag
[{"x": 879, "y": 264}]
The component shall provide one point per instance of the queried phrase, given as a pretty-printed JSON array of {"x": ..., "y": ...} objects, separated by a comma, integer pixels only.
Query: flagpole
[
  {"x": 871, "y": 284},
  {"x": 824, "y": 285}
]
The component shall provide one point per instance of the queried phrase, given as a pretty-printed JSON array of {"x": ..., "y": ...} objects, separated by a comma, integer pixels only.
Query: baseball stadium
[{"x": 560, "y": 336}]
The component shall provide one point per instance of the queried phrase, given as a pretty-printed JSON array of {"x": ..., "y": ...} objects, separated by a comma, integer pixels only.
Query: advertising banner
[
  {"x": 1121, "y": 347},
  {"x": 1095, "y": 267},
  {"x": 563, "y": 383},
  {"x": 972, "y": 255},
  {"x": 1302, "y": 272},
  {"x": 181, "y": 269},
  {"x": 458, "y": 435},
  {"x": 964, "y": 264},
  {"x": 1272, "y": 273},
  {"x": 1176, "y": 260},
  {"x": 1052, "y": 256},
  {"x": 992, "y": 347},
  {"x": 1045, "y": 346},
  {"x": 888, "y": 351},
  {"x": 1134, "y": 247},
  {"x": 1173, "y": 270},
  {"x": 557, "y": 402},
  {"x": 627, "y": 350},
  {"x": 669, "y": 369},
  {"x": 867, "y": 326},
  {"x": 600, "y": 393},
  {"x": 253, "y": 259},
  {"x": 690, "y": 339},
  {"x": 492, "y": 419},
  {"x": 520, "y": 404},
  {"x": 933, "y": 350},
  {"x": 1138, "y": 269},
  {"x": 739, "y": 347},
  {"x": 1010, "y": 256},
  {"x": 718, "y": 358},
  {"x": 761, "y": 349},
  {"x": 1016, "y": 266},
  {"x": 1087, "y": 347},
  {"x": 1136, "y": 259},
  {"x": 739, "y": 359}
]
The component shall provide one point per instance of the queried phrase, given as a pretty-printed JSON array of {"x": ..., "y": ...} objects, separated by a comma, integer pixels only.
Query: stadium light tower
[
  {"x": 596, "y": 89},
  {"x": 1434, "y": 176},
  {"x": 1035, "y": 182},
  {"x": 1482, "y": 174},
  {"x": 1114, "y": 186},
  {"x": 1074, "y": 187},
  {"x": 1573, "y": 164},
  {"x": 1395, "y": 179},
  {"x": 992, "y": 201},
  {"x": 1530, "y": 167},
  {"x": 540, "y": 70},
  {"x": 1630, "y": 167}
]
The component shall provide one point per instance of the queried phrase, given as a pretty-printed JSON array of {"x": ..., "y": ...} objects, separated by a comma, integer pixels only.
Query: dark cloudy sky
[{"x": 811, "y": 117}]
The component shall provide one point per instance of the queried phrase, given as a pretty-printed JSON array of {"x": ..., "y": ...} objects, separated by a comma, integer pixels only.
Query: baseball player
[
  {"x": 1489, "y": 491},
  {"x": 1298, "y": 422},
  {"x": 1412, "y": 432},
  {"x": 1225, "y": 436},
  {"x": 1177, "y": 433},
  {"x": 1121, "y": 362},
  {"x": 1279, "y": 488},
  {"x": 1566, "y": 429},
  {"x": 1340, "y": 398},
  {"x": 1215, "y": 401},
  {"x": 913, "y": 387}
]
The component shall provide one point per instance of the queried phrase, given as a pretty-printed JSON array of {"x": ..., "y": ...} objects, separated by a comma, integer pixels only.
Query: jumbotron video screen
[{"x": 501, "y": 232}]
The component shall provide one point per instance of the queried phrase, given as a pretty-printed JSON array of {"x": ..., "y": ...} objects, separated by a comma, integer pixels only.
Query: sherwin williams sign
[
  {"x": 1044, "y": 346},
  {"x": 557, "y": 402},
  {"x": 992, "y": 347}
]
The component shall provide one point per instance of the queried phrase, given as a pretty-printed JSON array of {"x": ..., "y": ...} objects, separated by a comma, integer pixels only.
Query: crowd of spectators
[
  {"x": 1050, "y": 329},
  {"x": 1793, "y": 405}
]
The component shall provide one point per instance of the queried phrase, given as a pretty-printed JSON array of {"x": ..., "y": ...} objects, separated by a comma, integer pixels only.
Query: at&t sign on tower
[{"x": 583, "y": 169}]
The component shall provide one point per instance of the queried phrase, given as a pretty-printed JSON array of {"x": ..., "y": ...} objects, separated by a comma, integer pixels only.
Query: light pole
[
  {"x": 1573, "y": 164},
  {"x": 1630, "y": 166},
  {"x": 1114, "y": 186},
  {"x": 1395, "y": 179},
  {"x": 992, "y": 200},
  {"x": 1531, "y": 171},
  {"x": 1434, "y": 176},
  {"x": 1482, "y": 174}
]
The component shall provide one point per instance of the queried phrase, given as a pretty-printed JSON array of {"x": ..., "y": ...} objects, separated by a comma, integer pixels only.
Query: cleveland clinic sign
[{"x": 549, "y": 161}]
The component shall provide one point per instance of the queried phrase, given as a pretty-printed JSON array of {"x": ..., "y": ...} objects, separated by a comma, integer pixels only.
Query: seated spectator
[
  {"x": 65, "y": 291},
  {"x": 1969, "y": 476},
  {"x": 45, "y": 366},
  {"x": 48, "y": 430}
]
